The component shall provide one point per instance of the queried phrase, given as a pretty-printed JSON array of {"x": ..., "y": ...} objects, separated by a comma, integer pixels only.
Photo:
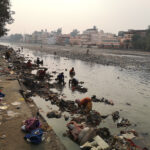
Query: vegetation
[
  {"x": 141, "y": 42},
  {"x": 15, "y": 38},
  {"x": 5, "y": 16}
]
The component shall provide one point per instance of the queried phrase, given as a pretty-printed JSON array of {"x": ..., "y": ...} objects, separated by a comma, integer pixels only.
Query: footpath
[{"x": 14, "y": 110}]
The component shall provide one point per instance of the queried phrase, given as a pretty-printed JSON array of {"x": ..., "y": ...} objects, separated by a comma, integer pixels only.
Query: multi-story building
[
  {"x": 89, "y": 36},
  {"x": 99, "y": 38},
  {"x": 108, "y": 40},
  {"x": 76, "y": 40},
  {"x": 63, "y": 39}
]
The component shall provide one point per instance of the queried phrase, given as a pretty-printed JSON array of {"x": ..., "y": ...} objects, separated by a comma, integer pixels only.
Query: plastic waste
[
  {"x": 35, "y": 136},
  {"x": 12, "y": 114},
  {"x": 16, "y": 103},
  {"x": 3, "y": 107},
  {"x": 2, "y": 95},
  {"x": 97, "y": 144},
  {"x": 127, "y": 136},
  {"x": 31, "y": 124}
]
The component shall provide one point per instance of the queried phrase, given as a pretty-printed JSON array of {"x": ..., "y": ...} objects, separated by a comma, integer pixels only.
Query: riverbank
[
  {"x": 14, "y": 109},
  {"x": 129, "y": 59}
]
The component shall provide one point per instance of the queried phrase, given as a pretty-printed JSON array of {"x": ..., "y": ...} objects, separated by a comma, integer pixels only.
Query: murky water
[{"x": 120, "y": 85}]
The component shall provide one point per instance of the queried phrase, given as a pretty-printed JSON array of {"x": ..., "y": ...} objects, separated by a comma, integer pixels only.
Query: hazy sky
[{"x": 109, "y": 15}]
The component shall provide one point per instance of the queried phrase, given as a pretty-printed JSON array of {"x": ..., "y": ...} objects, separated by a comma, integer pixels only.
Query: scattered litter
[
  {"x": 54, "y": 114},
  {"x": 123, "y": 123},
  {"x": 16, "y": 103},
  {"x": 85, "y": 126},
  {"x": 31, "y": 105},
  {"x": 3, "y": 107},
  {"x": 48, "y": 139},
  {"x": 93, "y": 118},
  {"x": 2, "y": 95},
  {"x": 21, "y": 99},
  {"x": 102, "y": 100},
  {"x": 127, "y": 136},
  {"x": 30, "y": 124},
  {"x": 3, "y": 136},
  {"x": 12, "y": 114},
  {"x": 35, "y": 136},
  {"x": 115, "y": 116},
  {"x": 66, "y": 117},
  {"x": 97, "y": 144}
]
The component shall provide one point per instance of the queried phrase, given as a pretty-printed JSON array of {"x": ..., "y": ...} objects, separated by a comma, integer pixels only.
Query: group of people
[{"x": 84, "y": 104}]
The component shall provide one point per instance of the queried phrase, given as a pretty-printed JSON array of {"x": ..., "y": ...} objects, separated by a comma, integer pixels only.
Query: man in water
[
  {"x": 72, "y": 72},
  {"x": 29, "y": 65},
  {"x": 87, "y": 52},
  {"x": 60, "y": 78},
  {"x": 42, "y": 73}
]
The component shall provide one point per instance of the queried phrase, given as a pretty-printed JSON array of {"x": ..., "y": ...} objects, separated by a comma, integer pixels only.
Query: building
[
  {"x": 76, "y": 40},
  {"x": 108, "y": 40},
  {"x": 27, "y": 38},
  {"x": 63, "y": 39},
  {"x": 93, "y": 37},
  {"x": 89, "y": 36}
]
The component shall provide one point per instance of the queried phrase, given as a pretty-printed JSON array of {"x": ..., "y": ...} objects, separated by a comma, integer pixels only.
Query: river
[{"x": 120, "y": 85}]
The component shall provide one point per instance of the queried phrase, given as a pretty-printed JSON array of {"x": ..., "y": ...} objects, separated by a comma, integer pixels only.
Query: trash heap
[{"x": 83, "y": 128}]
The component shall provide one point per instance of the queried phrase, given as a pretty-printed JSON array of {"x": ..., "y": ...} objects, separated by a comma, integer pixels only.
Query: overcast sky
[{"x": 109, "y": 15}]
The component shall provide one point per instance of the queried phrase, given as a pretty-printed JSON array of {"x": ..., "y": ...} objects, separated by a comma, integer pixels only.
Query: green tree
[
  {"x": 148, "y": 39},
  {"x": 138, "y": 42},
  {"x": 15, "y": 37},
  {"x": 5, "y": 16}
]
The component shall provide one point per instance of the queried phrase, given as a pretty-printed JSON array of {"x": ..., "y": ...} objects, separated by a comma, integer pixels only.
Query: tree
[
  {"x": 5, "y": 16},
  {"x": 148, "y": 38},
  {"x": 138, "y": 42},
  {"x": 15, "y": 37},
  {"x": 74, "y": 33}
]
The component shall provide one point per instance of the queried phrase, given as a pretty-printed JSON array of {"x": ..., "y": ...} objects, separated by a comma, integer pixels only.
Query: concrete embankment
[{"x": 14, "y": 109}]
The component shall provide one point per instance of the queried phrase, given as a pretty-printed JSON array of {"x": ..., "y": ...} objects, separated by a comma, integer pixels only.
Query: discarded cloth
[
  {"x": 31, "y": 124},
  {"x": 35, "y": 136},
  {"x": 2, "y": 95}
]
